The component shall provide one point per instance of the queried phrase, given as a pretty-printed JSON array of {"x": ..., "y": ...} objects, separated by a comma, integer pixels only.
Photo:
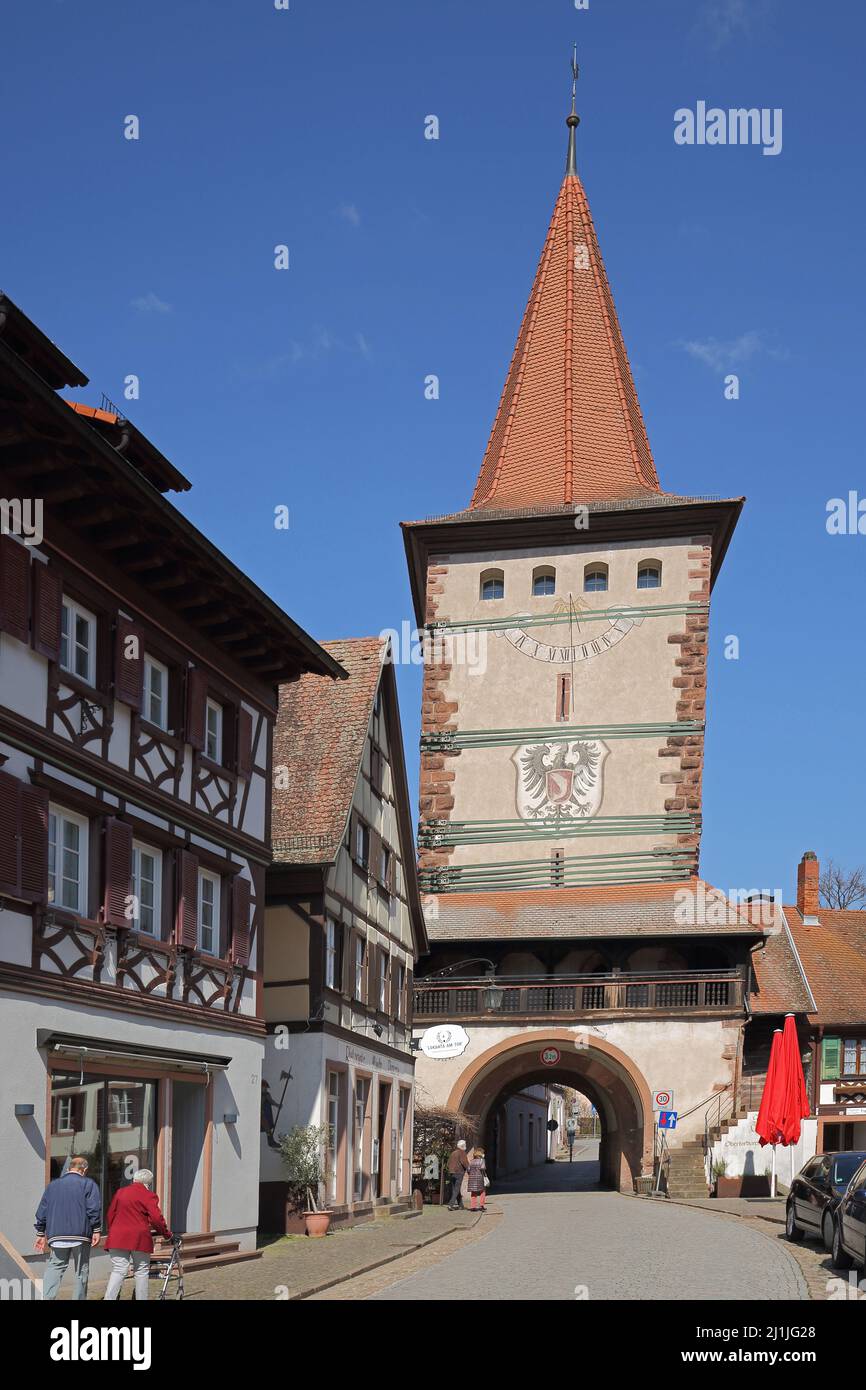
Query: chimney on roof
[{"x": 808, "y": 873}]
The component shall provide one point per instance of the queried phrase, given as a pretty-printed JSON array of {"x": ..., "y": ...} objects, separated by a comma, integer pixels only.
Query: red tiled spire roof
[{"x": 569, "y": 426}]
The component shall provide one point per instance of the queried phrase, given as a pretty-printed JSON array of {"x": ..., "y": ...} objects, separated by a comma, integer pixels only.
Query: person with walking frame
[
  {"x": 134, "y": 1213},
  {"x": 457, "y": 1166}
]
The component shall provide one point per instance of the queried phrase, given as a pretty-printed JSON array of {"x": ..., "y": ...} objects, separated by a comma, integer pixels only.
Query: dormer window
[
  {"x": 595, "y": 578},
  {"x": 649, "y": 574},
  {"x": 543, "y": 581},
  {"x": 78, "y": 641},
  {"x": 492, "y": 584}
]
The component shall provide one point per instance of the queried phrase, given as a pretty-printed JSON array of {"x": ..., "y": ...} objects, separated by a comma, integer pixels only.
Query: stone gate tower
[{"x": 563, "y": 724}]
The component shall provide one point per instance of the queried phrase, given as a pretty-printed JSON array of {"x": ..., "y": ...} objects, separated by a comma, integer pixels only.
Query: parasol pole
[{"x": 773, "y": 1176}]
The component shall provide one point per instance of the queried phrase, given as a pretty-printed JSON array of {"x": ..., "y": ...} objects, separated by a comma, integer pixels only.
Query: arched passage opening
[{"x": 605, "y": 1074}]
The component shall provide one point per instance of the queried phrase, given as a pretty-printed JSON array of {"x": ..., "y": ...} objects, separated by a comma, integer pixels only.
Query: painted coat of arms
[{"x": 560, "y": 779}]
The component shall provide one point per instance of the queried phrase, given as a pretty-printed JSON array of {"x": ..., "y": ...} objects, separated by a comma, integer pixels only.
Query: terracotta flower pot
[{"x": 317, "y": 1222}]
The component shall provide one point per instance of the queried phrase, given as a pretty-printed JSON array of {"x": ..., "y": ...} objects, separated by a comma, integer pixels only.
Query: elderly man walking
[
  {"x": 67, "y": 1222},
  {"x": 458, "y": 1162}
]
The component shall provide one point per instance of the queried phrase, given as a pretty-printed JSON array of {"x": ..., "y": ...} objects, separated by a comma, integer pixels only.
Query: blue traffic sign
[{"x": 667, "y": 1119}]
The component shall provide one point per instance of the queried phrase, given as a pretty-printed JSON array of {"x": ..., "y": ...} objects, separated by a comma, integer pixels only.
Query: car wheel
[
  {"x": 840, "y": 1256},
  {"x": 792, "y": 1230},
  {"x": 827, "y": 1228}
]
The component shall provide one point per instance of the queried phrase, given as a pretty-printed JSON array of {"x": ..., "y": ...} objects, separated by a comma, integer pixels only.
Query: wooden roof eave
[{"x": 156, "y": 520}]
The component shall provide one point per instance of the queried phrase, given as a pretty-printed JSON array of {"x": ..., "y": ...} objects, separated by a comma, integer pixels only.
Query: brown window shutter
[
  {"x": 245, "y": 743},
  {"x": 391, "y": 885},
  {"x": 347, "y": 962},
  {"x": 353, "y": 836},
  {"x": 410, "y": 996},
  {"x": 369, "y": 953},
  {"x": 395, "y": 988},
  {"x": 128, "y": 670},
  {"x": 14, "y": 588},
  {"x": 375, "y": 855},
  {"x": 118, "y": 872},
  {"x": 186, "y": 920},
  {"x": 241, "y": 920},
  {"x": 47, "y": 600},
  {"x": 10, "y": 832},
  {"x": 196, "y": 702},
  {"x": 34, "y": 842}
]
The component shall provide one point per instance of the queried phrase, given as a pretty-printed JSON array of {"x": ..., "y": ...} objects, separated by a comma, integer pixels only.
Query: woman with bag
[{"x": 478, "y": 1180}]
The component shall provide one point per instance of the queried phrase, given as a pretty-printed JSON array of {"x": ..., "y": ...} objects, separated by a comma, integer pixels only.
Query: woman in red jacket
[{"x": 133, "y": 1213}]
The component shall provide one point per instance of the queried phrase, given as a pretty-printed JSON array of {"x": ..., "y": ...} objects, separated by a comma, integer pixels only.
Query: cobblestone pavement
[{"x": 565, "y": 1240}]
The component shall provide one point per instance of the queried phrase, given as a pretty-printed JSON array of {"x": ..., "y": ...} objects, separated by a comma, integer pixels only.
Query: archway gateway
[{"x": 588, "y": 1063}]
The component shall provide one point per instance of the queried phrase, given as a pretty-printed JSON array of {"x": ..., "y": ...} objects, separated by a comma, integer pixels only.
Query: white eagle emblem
[{"x": 560, "y": 779}]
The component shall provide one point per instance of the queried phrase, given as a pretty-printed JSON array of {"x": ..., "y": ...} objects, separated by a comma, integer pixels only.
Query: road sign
[
  {"x": 667, "y": 1119},
  {"x": 552, "y": 1125},
  {"x": 571, "y": 1126},
  {"x": 551, "y": 1056},
  {"x": 663, "y": 1099}
]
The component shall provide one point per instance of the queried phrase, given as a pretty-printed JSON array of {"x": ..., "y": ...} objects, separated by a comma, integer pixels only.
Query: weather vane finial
[{"x": 573, "y": 120}]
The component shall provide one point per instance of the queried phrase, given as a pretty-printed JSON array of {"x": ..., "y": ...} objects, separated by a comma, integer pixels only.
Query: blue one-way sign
[{"x": 667, "y": 1119}]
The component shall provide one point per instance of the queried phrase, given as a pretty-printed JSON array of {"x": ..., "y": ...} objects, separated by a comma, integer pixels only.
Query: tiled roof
[
  {"x": 643, "y": 909},
  {"x": 833, "y": 954},
  {"x": 780, "y": 986},
  {"x": 569, "y": 427},
  {"x": 319, "y": 738}
]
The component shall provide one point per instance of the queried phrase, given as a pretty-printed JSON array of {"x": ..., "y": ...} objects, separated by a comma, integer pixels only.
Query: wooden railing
[{"x": 576, "y": 996}]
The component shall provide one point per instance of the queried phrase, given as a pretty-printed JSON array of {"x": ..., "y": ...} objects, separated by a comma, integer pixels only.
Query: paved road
[{"x": 562, "y": 1238}]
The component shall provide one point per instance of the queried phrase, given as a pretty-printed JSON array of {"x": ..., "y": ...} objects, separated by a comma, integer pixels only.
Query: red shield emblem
[{"x": 559, "y": 784}]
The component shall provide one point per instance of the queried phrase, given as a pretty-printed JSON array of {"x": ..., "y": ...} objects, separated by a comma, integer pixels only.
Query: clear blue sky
[{"x": 411, "y": 256}]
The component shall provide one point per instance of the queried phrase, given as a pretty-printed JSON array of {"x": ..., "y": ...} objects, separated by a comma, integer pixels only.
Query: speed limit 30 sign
[{"x": 663, "y": 1099}]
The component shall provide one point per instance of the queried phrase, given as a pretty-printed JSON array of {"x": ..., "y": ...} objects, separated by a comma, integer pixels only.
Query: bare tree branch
[{"x": 842, "y": 888}]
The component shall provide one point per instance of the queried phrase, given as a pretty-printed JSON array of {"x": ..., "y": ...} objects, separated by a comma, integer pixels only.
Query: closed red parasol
[{"x": 784, "y": 1104}]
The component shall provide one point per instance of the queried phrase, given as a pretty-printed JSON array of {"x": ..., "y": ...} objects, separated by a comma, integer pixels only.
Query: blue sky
[{"x": 410, "y": 256}]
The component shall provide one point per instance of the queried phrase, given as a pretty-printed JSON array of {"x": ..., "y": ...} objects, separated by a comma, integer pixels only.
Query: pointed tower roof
[{"x": 569, "y": 427}]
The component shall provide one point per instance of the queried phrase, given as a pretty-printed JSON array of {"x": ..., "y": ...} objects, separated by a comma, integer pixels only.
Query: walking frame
[{"x": 173, "y": 1270}]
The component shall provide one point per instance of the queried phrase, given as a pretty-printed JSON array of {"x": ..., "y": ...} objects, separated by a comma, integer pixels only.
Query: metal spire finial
[{"x": 573, "y": 120}]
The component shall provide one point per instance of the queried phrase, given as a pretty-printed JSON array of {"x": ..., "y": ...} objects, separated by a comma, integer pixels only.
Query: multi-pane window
[
  {"x": 401, "y": 987},
  {"x": 119, "y": 1107},
  {"x": 362, "y": 1091},
  {"x": 147, "y": 888},
  {"x": 78, "y": 641},
  {"x": 359, "y": 968},
  {"x": 330, "y": 953},
  {"x": 543, "y": 582},
  {"x": 362, "y": 845},
  {"x": 383, "y": 983},
  {"x": 595, "y": 579},
  {"x": 649, "y": 575},
  {"x": 385, "y": 867},
  {"x": 493, "y": 584},
  {"x": 332, "y": 1136},
  {"x": 854, "y": 1057},
  {"x": 155, "y": 692},
  {"x": 208, "y": 912},
  {"x": 67, "y": 860},
  {"x": 213, "y": 737}
]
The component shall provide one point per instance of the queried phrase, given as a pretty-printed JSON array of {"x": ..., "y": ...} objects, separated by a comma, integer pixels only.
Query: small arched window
[
  {"x": 595, "y": 578},
  {"x": 543, "y": 580},
  {"x": 649, "y": 574},
  {"x": 492, "y": 584}
]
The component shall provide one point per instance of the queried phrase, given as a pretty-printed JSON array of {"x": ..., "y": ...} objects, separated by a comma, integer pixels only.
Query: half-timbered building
[
  {"x": 138, "y": 692},
  {"x": 343, "y": 930}
]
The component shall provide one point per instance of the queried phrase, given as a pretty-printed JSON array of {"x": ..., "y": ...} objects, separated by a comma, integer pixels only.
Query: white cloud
[
  {"x": 150, "y": 303},
  {"x": 718, "y": 355},
  {"x": 350, "y": 213},
  {"x": 721, "y": 22}
]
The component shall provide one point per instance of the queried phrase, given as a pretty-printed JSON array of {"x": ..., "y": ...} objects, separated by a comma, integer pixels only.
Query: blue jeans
[{"x": 55, "y": 1269}]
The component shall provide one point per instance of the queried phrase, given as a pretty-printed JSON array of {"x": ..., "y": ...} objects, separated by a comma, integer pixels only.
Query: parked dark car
[
  {"x": 816, "y": 1192},
  {"x": 849, "y": 1225}
]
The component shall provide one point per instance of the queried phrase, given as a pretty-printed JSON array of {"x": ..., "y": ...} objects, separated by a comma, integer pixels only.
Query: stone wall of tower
[{"x": 655, "y": 672}]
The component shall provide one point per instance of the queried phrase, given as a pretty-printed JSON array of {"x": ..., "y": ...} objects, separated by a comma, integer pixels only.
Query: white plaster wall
[
  {"x": 743, "y": 1153},
  {"x": 23, "y": 1079}
]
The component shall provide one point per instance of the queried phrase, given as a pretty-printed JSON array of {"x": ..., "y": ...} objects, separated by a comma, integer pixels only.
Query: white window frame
[
  {"x": 333, "y": 1134},
  {"x": 138, "y": 849},
  {"x": 206, "y": 876},
  {"x": 382, "y": 983},
  {"x": 360, "y": 953},
  {"x": 330, "y": 953},
  {"x": 150, "y": 666},
  {"x": 70, "y": 610},
  {"x": 362, "y": 835},
  {"x": 60, "y": 818},
  {"x": 401, "y": 987},
  {"x": 213, "y": 707}
]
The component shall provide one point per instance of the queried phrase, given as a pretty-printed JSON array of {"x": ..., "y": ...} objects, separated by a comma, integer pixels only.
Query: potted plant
[
  {"x": 720, "y": 1168},
  {"x": 301, "y": 1151}
]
